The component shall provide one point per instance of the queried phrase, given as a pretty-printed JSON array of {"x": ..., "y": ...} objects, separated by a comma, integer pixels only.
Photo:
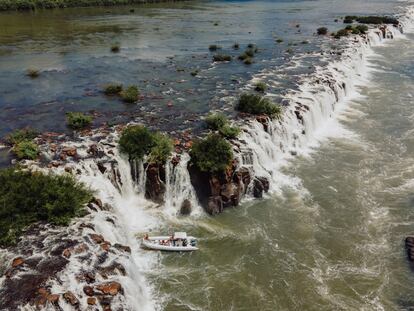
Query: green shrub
[
  {"x": 216, "y": 120},
  {"x": 377, "y": 20},
  {"x": 33, "y": 73},
  {"x": 112, "y": 89},
  {"x": 248, "y": 61},
  {"x": 229, "y": 132},
  {"x": 260, "y": 87},
  {"x": 20, "y": 135},
  {"x": 362, "y": 28},
  {"x": 130, "y": 94},
  {"x": 355, "y": 31},
  {"x": 214, "y": 47},
  {"x": 78, "y": 120},
  {"x": 221, "y": 58},
  {"x": 256, "y": 104},
  {"x": 279, "y": 40},
  {"x": 341, "y": 33},
  {"x": 194, "y": 73},
  {"x": 26, "y": 149},
  {"x": 27, "y": 197},
  {"x": 137, "y": 141},
  {"x": 115, "y": 48},
  {"x": 162, "y": 148},
  {"x": 212, "y": 154},
  {"x": 236, "y": 46},
  {"x": 349, "y": 27},
  {"x": 243, "y": 56},
  {"x": 249, "y": 52},
  {"x": 349, "y": 19}
]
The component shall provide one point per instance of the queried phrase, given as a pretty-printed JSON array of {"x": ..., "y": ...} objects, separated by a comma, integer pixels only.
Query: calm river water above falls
[{"x": 331, "y": 237}]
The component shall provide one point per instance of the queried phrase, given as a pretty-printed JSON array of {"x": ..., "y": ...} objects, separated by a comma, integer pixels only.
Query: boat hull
[{"x": 149, "y": 243}]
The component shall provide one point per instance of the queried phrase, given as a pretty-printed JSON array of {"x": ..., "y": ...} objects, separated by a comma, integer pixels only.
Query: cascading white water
[{"x": 179, "y": 187}]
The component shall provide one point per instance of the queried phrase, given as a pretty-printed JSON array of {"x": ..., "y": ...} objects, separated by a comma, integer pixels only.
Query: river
[{"x": 330, "y": 234}]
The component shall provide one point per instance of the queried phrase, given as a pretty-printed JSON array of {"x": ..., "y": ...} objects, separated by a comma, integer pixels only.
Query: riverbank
[{"x": 25, "y": 5}]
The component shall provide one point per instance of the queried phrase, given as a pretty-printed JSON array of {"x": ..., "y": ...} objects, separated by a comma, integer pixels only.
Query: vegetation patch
[
  {"x": 376, "y": 20},
  {"x": 78, "y": 120},
  {"x": 113, "y": 89},
  {"x": 130, "y": 94},
  {"x": 322, "y": 31},
  {"x": 26, "y": 150},
  {"x": 219, "y": 122},
  {"x": 236, "y": 46},
  {"x": 230, "y": 132},
  {"x": 260, "y": 87},
  {"x": 214, "y": 47},
  {"x": 221, "y": 58},
  {"x": 256, "y": 104},
  {"x": 138, "y": 141},
  {"x": 28, "y": 197},
  {"x": 212, "y": 154},
  {"x": 20, "y": 135}
]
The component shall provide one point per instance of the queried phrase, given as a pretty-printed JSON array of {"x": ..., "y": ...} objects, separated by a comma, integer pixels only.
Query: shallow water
[{"x": 332, "y": 237}]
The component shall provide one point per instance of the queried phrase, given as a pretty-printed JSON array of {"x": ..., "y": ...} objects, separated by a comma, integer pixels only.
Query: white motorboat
[{"x": 179, "y": 242}]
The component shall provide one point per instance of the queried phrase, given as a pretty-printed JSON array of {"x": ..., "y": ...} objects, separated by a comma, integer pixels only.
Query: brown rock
[
  {"x": 66, "y": 253},
  {"x": 185, "y": 207},
  {"x": 71, "y": 298},
  {"x": 53, "y": 298},
  {"x": 123, "y": 248},
  {"x": 97, "y": 202},
  {"x": 18, "y": 261},
  {"x": 97, "y": 238},
  {"x": 81, "y": 248},
  {"x": 105, "y": 246},
  {"x": 110, "y": 288},
  {"x": 91, "y": 301},
  {"x": 69, "y": 151},
  {"x": 88, "y": 290}
]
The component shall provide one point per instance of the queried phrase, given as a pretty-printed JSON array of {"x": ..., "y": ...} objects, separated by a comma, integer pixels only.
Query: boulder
[
  {"x": 185, "y": 208},
  {"x": 97, "y": 238},
  {"x": 18, "y": 261},
  {"x": 409, "y": 246},
  {"x": 155, "y": 186},
  {"x": 260, "y": 185},
  {"x": 214, "y": 205},
  {"x": 88, "y": 290},
  {"x": 91, "y": 301},
  {"x": 71, "y": 298},
  {"x": 110, "y": 288},
  {"x": 123, "y": 248}
]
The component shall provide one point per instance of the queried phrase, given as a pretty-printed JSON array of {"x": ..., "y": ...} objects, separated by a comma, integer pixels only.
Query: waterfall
[{"x": 179, "y": 187}]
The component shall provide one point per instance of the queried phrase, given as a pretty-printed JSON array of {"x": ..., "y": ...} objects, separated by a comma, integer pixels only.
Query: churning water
[{"x": 330, "y": 234}]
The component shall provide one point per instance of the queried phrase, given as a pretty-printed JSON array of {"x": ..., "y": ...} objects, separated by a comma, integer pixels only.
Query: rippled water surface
[{"x": 332, "y": 237}]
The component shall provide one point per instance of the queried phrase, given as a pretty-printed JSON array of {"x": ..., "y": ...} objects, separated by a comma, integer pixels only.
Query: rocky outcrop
[
  {"x": 409, "y": 246},
  {"x": 222, "y": 190},
  {"x": 155, "y": 183}
]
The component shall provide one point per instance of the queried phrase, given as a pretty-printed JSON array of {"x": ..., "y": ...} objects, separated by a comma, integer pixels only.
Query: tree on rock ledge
[{"x": 212, "y": 154}]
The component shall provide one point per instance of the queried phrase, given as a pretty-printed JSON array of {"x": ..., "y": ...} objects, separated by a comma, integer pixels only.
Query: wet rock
[
  {"x": 185, "y": 207},
  {"x": 264, "y": 120},
  {"x": 97, "y": 238},
  {"x": 214, "y": 205},
  {"x": 101, "y": 167},
  {"x": 98, "y": 202},
  {"x": 260, "y": 185},
  {"x": 88, "y": 290},
  {"x": 155, "y": 186},
  {"x": 18, "y": 261},
  {"x": 53, "y": 299},
  {"x": 67, "y": 253},
  {"x": 105, "y": 246},
  {"x": 123, "y": 248},
  {"x": 113, "y": 269},
  {"x": 71, "y": 298},
  {"x": 409, "y": 246},
  {"x": 91, "y": 301},
  {"x": 110, "y": 288},
  {"x": 69, "y": 151}
]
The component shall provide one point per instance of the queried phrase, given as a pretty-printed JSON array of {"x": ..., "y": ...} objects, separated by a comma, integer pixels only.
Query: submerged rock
[{"x": 185, "y": 207}]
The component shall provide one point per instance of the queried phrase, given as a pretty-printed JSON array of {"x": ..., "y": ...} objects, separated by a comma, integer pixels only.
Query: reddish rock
[
  {"x": 105, "y": 246},
  {"x": 66, "y": 253},
  {"x": 53, "y": 298},
  {"x": 88, "y": 290},
  {"x": 71, "y": 298},
  {"x": 97, "y": 238},
  {"x": 69, "y": 151},
  {"x": 91, "y": 301},
  {"x": 81, "y": 248},
  {"x": 18, "y": 261},
  {"x": 110, "y": 288}
]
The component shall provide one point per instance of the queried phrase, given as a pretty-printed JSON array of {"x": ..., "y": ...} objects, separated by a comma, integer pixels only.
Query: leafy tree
[
  {"x": 212, "y": 154},
  {"x": 27, "y": 197},
  {"x": 256, "y": 104},
  {"x": 162, "y": 148}
]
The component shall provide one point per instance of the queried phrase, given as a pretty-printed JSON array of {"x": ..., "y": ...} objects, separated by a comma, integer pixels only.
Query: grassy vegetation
[
  {"x": 236, "y": 46},
  {"x": 130, "y": 94},
  {"x": 78, "y": 120},
  {"x": 356, "y": 30},
  {"x": 20, "y": 135},
  {"x": 113, "y": 89},
  {"x": 33, "y": 73},
  {"x": 51, "y": 4},
  {"x": 321, "y": 31},
  {"x": 279, "y": 40},
  {"x": 212, "y": 154},
  {"x": 137, "y": 141},
  {"x": 219, "y": 122},
  {"x": 28, "y": 197},
  {"x": 248, "y": 61},
  {"x": 26, "y": 149},
  {"x": 260, "y": 87},
  {"x": 221, "y": 58},
  {"x": 256, "y": 104},
  {"x": 376, "y": 20}
]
